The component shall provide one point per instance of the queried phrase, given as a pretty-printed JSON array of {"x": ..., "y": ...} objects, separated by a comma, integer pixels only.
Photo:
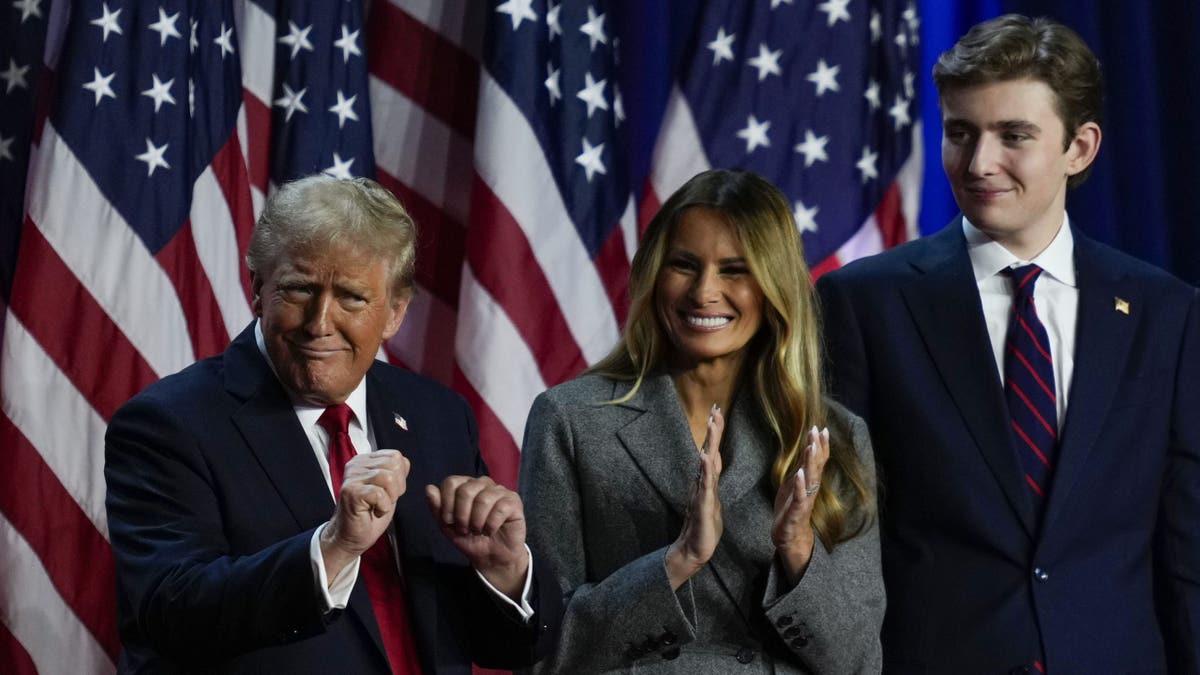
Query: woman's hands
[
  {"x": 792, "y": 532},
  {"x": 703, "y": 525}
]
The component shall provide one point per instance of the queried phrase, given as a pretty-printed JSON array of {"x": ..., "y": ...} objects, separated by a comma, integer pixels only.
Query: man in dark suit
[
  {"x": 1032, "y": 395},
  {"x": 258, "y": 501}
]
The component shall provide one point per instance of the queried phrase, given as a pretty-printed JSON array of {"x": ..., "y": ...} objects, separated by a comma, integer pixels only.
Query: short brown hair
[{"x": 1012, "y": 47}]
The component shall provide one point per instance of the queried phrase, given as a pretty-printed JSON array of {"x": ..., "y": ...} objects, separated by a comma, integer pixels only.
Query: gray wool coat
[{"x": 606, "y": 488}]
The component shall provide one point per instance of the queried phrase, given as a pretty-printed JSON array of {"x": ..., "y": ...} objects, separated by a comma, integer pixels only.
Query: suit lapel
[
  {"x": 944, "y": 303},
  {"x": 660, "y": 442},
  {"x": 1102, "y": 340}
]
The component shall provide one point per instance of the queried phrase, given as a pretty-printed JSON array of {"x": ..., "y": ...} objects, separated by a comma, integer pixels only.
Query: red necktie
[{"x": 378, "y": 568}]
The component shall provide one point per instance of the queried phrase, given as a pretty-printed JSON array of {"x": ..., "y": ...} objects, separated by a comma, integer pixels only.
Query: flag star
[
  {"x": 340, "y": 169},
  {"x": 348, "y": 43},
  {"x": 225, "y": 40},
  {"x": 153, "y": 157},
  {"x": 518, "y": 11},
  {"x": 836, "y": 10},
  {"x": 165, "y": 27},
  {"x": 722, "y": 46},
  {"x": 160, "y": 92},
  {"x": 107, "y": 22},
  {"x": 192, "y": 41},
  {"x": 594, "y": 28},
  {"x": 899, "y": 113},
  {"x": 866, "y": 164},
  {"x": 6, "y": 148},
  {"x": 101, "y": 85},
  {"x": 909, "y": 81},
  {"x": 14, "y": 77},
  {"x": 824, "y": 77},
  {"x": 552, "y": 24},
  {"x": 618, "y": 106},
  {"x": 297, "y": 38},
  {"x": 876, "y": 26},
  {"x": 910, "y": 17},
  {"x": 901, "y": 40},
  {"x": 593, "y": 94},
  {"x": 291, "y": 101},
  {"x": 813, "y": 148},
  {"x": 344, "y": 108},
  {"x": 872, "y": 95},
  {"x": 755, "y": 134},
  {"x": 767, "y": 62},
  {"x": 589, "y": 159},
  {"x": 29, "y": 8},
  {"x": 777, "y": 3},
  {"x": 551, "y": 84},
  {"x": 806, "y": 218}
]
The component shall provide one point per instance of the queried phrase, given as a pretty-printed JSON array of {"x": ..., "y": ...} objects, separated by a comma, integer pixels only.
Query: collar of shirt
[
  {"x": 989, "y": 258},
  {"x": 309, "y": 414}
]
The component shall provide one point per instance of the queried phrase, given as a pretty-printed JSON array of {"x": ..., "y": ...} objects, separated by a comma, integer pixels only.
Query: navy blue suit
[
  {"x": 214, "y": 494},
  {"x": 1109, "y": 581}
]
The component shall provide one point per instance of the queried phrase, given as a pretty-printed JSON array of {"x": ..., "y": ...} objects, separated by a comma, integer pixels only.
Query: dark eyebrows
[
  {"x": 1021, "y": 126},
  {"x": 692, "y": 257}
]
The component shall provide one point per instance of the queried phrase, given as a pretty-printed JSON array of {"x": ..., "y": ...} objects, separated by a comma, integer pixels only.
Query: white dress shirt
[
  {"x": 1055, "y": 296},
  {"x": 336, "y": 592}
]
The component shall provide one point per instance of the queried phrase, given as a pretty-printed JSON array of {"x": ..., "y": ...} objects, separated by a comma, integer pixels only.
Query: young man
[{"x": 1032, "y": 395}]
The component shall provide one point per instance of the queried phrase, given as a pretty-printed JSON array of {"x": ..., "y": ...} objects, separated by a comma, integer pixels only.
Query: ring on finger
[{"x": 812, "y": 489}]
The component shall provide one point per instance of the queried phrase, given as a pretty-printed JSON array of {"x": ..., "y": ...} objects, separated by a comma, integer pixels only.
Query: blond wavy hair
[{"x": 783, "y": 364}]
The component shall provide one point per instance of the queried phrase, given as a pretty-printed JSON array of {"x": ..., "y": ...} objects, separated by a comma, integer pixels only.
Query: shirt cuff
[
  {"x": 336, "y": 594},
  {"x": 524, "y": 609}
]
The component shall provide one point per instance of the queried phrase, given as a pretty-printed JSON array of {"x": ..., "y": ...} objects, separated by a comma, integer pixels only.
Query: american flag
[{"x": 138, "y": 141}]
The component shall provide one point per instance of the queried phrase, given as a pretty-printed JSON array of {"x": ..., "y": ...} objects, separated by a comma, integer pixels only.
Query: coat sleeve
[
  {"x": 846, "y": 364},
  {"x": 832, "y": 617},
  {"x": 1177, "y": 558},
  {"x": 179, "y": 586},
  {"x": 608, "y": 623}
]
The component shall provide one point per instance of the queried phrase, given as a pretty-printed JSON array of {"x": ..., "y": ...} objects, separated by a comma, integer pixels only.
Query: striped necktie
[{"x": 1029, "y": 387}]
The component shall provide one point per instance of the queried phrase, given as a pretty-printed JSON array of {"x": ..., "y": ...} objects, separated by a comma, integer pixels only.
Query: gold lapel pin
[
  {"x": 400, "y": 421},
  {"x": 1121, "y": 305}
]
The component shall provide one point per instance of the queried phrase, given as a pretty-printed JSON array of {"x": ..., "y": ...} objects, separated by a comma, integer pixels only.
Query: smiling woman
[{"x": 709, "y": 411}]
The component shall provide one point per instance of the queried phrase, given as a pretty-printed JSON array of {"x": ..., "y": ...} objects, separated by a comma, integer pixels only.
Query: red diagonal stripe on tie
[
  {"x": 1038, "y": 415},
  {"x": 1038, "y": 665},
  {"x": 1036, "y": 342},
  {"x": 1028, "y": 365},
  {"x": 1033, "y": 484},
  {"x": 1032, "y": 273},
  {"x": 1032, "y": 446}
]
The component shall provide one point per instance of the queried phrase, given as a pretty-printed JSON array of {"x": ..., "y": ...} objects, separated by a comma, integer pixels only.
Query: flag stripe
[
  {"x": 441, "y": 242},
  {"x": 180, "y": 260},
  {"x": 496, "y": 442},
  {"x": 35, "y": 613},
  {"x": 452, "y": 19},
  {"x": 234, "y": 211},
  {"x": 679, "y": 153},
  {"x": 612, "y": 263},
  {"x": 425, "y": 341},
  {"x": 14, "y": 657},
  {"x": 107, "y": 257},
  {"x": 73, "y": 553},
  {"x": 430, "y": 69},
  {"x": 70, "y": 332}
]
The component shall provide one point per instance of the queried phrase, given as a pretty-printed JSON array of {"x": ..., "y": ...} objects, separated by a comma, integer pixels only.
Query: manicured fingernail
[
  {"x": 825, "y": 433},
  {"x": 800, "y": 474}
]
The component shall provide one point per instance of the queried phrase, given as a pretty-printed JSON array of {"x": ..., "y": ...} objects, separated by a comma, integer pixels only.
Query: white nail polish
[{"x": 800, "y": 474}]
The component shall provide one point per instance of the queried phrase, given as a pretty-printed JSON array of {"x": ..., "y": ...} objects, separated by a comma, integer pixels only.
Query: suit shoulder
[
  {"x": 199, "y": 381},
  {"x": 1155, "y": 279},
  {"x": 414, "y": 386},
  {"x": 584, "y": 391}
]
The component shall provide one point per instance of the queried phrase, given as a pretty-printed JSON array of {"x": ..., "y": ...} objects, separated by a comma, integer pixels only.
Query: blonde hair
[
  {"x": 783, "y": 363},
  {"x": 319, "y": 211}
]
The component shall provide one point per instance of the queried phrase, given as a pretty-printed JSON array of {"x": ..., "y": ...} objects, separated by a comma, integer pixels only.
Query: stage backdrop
[{"x": 531, "y": 140}]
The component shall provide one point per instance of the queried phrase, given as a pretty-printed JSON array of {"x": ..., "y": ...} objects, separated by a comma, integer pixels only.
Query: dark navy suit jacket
[
  {"x": 1109, "y": 581},
  {"x": 213, "y": 497}
]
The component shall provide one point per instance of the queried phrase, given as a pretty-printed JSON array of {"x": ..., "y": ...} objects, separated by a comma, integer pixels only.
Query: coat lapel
[
  {"x": 1102, "y": 340},
  {"x": 944, "y": 302},
  {"x": 660, "y": 442}
]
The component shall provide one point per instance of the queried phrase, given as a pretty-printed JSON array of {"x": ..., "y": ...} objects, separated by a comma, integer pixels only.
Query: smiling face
[
  {"x": 324, "y": 315},
  {"x": 1003, "y": 153},
  {"x": 707, "y": 301}
]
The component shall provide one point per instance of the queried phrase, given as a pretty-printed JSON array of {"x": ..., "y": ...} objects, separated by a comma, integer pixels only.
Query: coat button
[
  {"x": 671, "y": 654},
  {"x": 791, "y": 632},
  {"x": 800, "y": 642},
  {"x": 745, "y": 655},
  {"x": 668, "y": 638},
  {"x": 784, "y": 621},
  {"x": 1041, "y": 574}
]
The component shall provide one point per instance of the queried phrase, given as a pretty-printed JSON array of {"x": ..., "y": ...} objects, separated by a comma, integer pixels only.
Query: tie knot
[
  {"x": 1024, "y": 278},
  {"x": 336, "y": 419}
]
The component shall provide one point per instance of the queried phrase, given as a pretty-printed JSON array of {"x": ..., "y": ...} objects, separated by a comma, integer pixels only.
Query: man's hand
[
  {"x": 486, "y": 522},
  {"x": 371, "y": 484}
]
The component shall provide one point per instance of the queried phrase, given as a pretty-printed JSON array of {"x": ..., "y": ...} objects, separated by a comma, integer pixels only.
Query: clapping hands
[{"x": 703, "y": 525}]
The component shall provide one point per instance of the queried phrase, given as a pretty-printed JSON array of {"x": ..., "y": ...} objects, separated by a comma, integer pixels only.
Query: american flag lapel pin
[
  {"x": 400, "y": 421},
  {"x": 1121, "y": 305}
]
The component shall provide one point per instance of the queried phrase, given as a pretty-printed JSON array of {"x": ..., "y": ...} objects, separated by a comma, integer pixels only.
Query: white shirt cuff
[
  {"x": 524, "y": 609},
  {"x": 336, "y": 594}
]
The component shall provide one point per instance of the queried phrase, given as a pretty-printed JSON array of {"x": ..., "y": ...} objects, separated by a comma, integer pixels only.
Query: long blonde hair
[{"x": 783, "y": 365}]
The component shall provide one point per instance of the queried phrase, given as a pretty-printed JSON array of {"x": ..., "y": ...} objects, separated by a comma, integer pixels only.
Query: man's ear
[
  {"x": 1083, "y": 148},
  {"x": 256, "y": 285},
  {"x": 397, "y": 309}
]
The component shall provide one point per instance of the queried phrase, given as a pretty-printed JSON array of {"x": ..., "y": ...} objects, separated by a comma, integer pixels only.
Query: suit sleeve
[
  {"x": 832, "y": 617},
  {"x": 178, "y": 584},
  {"x": 846, "y": 364},
  {"x": 1178, "y": 535},
  {"x": 607, "y": 624}
]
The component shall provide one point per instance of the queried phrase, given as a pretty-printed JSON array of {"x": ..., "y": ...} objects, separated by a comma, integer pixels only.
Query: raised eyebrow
[{"x": 1023, "y": 126}]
